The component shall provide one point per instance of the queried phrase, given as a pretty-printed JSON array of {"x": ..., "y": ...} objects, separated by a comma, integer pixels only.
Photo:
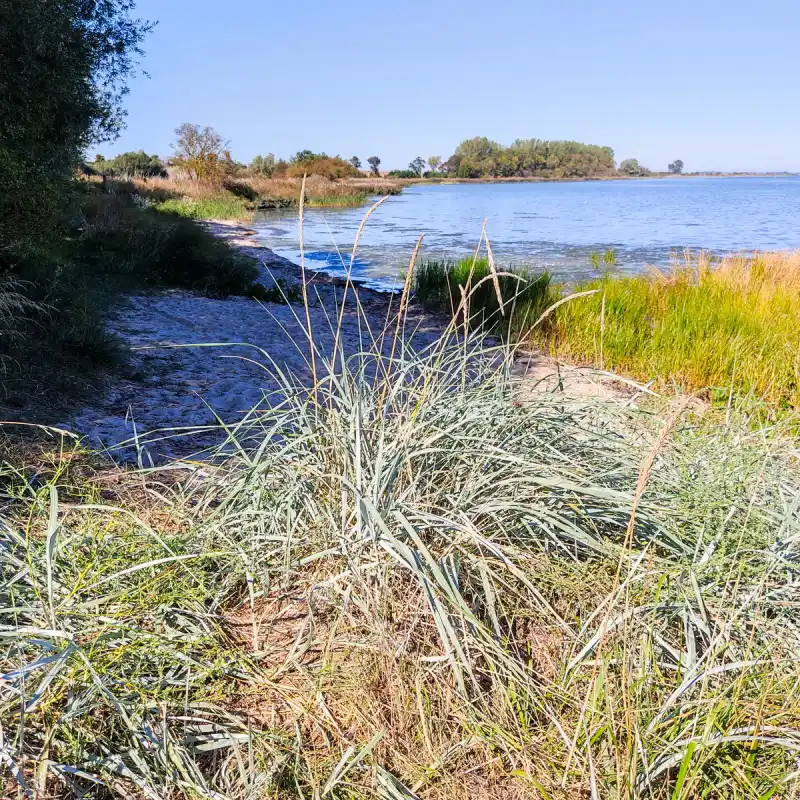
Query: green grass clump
[
  {"x": 438, "y": 286},
  {"x": 223, "y": 206},
  {"x": 337, "y": 200},
  {"x": 728, "y": 326},
  {"x": 402, "y": 577}
]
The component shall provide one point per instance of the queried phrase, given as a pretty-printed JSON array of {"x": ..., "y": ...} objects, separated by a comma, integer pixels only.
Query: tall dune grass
[
  {"x": 410, "y": 578},
  {"x": 402, "y": 582},
  {"x": 732, "y": 325}
]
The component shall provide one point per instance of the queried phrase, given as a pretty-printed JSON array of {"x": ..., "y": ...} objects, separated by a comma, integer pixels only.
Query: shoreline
[
  {"x": 240, "y": 235},
  {"x": 198, "y": 362},
  {"x": 541, "y": 179}
]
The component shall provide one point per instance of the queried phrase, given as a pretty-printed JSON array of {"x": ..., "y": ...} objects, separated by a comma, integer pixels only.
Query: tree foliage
[
  {"x": 356, "y": 162},
  {"x": 263, "y": 166},
  {"x": 676, "y": 167},
  {"x": 63, "y": 72},
  {"x": 481, "y": 157},
  {"x": 302, "y": 156},
  {"x": 632, "y": 167},
  {"x": 200, "y": 152},
  {"x": 374, "y": 165},
  {"x": 417, "y": 166},
  {"x": 136, "y": 164},
  {"x": 434, "y": 162},
  {"x": 329, "y": 167}
]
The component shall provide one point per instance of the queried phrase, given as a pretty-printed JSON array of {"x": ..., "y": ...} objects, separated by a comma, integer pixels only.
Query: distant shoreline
[{"x": 542, "y": 179}]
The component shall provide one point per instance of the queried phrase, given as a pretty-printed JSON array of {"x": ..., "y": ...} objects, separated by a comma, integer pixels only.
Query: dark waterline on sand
[{"x": 554, "y": 226}]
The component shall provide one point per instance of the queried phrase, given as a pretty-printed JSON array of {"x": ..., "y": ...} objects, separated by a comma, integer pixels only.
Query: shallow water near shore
[{"x": 547, "y": 225}]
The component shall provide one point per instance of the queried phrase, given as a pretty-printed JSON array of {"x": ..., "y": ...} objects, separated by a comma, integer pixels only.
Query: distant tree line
[
  {"x": 416, "y": 169},
  {"x": 200, "y": 153},
  {"x": 526, "y": 158}
]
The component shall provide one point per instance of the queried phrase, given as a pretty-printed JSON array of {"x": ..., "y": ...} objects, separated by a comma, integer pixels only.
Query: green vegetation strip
[
  {"x": 731, "y": 327},
  {"x": 726, "y": 329}
]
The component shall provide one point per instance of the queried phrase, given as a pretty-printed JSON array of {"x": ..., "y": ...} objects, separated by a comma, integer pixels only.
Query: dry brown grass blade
[
  {"x": 464, "y": 302},
  {"x": 646, "y": 468},
  {"x": 337, "y": 337},
  {"x": 645, "y": 471},
  {"x": 602, "y": 330},
  {"x": 360, "y": 230},
  {"x": 309, "y": 332},
  {"x": 400, "y": 312},
  {"x": 407, "y": 287},
  {"x": 46, "y": 428}
]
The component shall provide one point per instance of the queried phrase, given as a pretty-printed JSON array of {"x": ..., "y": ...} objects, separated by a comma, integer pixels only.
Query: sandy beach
[{"x": 196, "y": 360}]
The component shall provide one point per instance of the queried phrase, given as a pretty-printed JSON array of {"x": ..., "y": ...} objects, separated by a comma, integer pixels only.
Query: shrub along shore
[{"x": 54, "y": 350}]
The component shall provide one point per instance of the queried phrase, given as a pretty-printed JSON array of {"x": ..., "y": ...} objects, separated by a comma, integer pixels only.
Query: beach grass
[
  {"x": 730, "y": 325},
  {"x": 410, "y": 576},
  {"x": 401, "y": 581}
]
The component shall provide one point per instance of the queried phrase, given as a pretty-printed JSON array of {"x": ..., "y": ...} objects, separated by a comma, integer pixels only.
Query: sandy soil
[
  {"x": 178, "y": 381},
  {"x": 198, "y": 360}
]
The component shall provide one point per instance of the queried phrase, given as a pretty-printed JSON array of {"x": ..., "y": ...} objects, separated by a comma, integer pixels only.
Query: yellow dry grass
[{"x": 731, "y": 325}]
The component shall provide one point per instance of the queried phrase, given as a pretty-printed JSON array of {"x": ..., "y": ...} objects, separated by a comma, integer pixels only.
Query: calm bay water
[{"x": 548, "y": 225}]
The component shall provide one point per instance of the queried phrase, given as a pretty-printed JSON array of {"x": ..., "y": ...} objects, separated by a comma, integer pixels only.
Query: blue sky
[{"x": 713, "y": 83}]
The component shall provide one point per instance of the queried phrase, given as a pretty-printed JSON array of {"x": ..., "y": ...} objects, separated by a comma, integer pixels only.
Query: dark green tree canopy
[
  {"x": 63, "y": 72},
  {"x": 302, "y": 156},
  {"x": 135, "y": 164},
  {"x": 417, "y": 166},
  {"x": 676, "y": 166},
  {"x": 632, "y": 167}
]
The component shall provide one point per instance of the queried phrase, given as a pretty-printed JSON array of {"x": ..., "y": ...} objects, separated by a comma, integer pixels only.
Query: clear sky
[{"x": 715, "y": 83}]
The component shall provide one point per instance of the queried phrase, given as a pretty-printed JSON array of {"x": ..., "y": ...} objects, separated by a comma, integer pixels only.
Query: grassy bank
[
  {"x": 56, "y": 291},
  {"x": 413, "y": 587},
  {"x": 728, "y": 326},
  {"x": 721, "y": 328},
  {"x": 239, "y": 198}
]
